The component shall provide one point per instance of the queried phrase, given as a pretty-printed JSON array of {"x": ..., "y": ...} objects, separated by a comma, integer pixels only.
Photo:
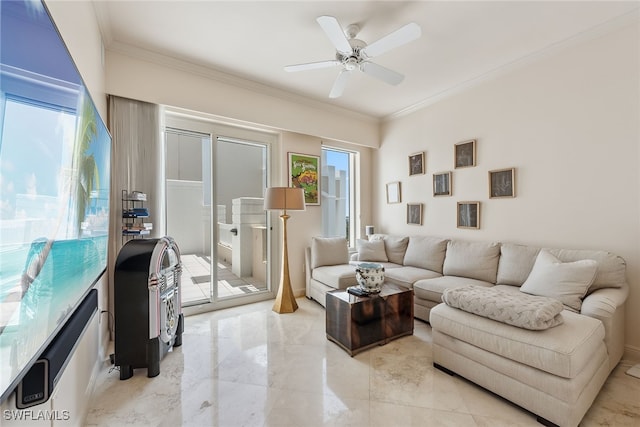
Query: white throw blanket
[{"x": 517, "y": 309}]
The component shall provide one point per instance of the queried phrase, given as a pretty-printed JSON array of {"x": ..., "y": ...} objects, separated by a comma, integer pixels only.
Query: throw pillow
[
  {"x": 565, "y": 281},
  {"x": 329, "y": 251},
  {"x": 371, "y": 250},
  {"x": 611, "y": 268}
]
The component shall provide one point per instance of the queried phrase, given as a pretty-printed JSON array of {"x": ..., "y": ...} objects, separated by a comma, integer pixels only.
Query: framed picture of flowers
[{"x": 304, "y": 172}]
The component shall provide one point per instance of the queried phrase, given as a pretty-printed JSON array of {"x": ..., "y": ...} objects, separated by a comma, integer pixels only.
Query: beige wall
[{"x": 568, "y": 123}]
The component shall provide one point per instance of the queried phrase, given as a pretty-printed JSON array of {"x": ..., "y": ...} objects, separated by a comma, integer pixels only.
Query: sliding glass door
[
  {"x": 188, "y": 195},
  {"x": 215, "y": 181},
  {"x": 240, "y": 168}
]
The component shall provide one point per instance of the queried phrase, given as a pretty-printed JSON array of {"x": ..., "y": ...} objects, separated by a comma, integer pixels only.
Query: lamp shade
[{"x": 284, "y": 198}]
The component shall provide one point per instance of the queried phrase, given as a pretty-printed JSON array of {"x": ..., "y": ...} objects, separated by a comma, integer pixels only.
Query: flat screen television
[{"x": 54, "y": 187}]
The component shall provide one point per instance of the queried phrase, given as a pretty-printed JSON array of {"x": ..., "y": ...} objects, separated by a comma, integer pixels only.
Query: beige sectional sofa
[{"x": 555, "y": 372}]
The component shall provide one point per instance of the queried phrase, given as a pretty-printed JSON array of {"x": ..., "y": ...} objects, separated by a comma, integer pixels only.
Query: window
[{"x": 338, "y": 207}]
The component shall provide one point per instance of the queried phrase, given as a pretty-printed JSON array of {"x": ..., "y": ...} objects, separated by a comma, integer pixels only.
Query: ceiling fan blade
[
  {"x": 340, "y": 84},
  {"x": 382, "y": 73},
  {"x": 334, "y": 31},
  {"x": 399, "y": 37},
  {"x": 312, "y": 65}
]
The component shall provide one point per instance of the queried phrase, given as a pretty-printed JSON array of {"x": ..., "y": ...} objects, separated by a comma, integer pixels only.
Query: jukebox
[{"x": 147, "y": 304}]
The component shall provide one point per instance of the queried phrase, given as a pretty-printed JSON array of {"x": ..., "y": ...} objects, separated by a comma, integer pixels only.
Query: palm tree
[{"x": 88, "y": 176}]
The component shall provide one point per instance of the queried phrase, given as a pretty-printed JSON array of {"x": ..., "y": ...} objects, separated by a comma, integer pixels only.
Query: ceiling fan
[{"x": 352, "y": 53}]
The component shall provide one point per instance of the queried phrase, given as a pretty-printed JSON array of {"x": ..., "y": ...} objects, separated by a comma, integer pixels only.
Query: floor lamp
[{"x": 284, "y": 198}]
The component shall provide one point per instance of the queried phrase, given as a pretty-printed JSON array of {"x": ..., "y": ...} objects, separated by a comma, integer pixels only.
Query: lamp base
[
  {"x": 285, "y": 300},
  {"x": 285, "y": 305}
]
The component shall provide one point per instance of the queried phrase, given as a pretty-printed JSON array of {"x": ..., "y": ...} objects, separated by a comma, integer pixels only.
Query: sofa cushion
[
  {"x": 564, "y": 350},
  {"x": 521, "y": 310},
  {"x": 371, "y": 250},
  {"x": 472, "y": 259},
  {"x": 567, "y": 282},
  {"x": 406, "y": 276},
  {"x": 432, "y": 289},
  {"x": 336, "y": 276},
  {"x": 329, "y": 251},
  {"x": 611, "y": 268},
  {"x": 426, "y": 252},
  {"x": 516, "y": 262},
  {"x": 395, "y": 246}
]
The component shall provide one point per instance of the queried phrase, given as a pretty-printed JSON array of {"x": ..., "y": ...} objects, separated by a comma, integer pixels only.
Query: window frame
[{"x": 352, "y": 233}]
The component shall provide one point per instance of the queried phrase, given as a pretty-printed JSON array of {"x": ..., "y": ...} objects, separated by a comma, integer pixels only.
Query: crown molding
[{"x": 232, "y": 80}]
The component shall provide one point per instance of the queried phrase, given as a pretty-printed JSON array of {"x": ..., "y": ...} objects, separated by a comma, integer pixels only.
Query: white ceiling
[{"x": 461, "y": 42}]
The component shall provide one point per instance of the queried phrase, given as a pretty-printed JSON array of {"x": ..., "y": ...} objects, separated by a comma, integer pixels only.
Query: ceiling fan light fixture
[
  {"x": 352, "y": 31},
  {"x": 352, "y": 53},
  {"x": 351, "y": 64}
]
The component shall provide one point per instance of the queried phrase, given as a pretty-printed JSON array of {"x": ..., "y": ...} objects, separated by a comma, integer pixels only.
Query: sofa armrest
[
  {"x": 607, "y": 305},
  {"x": 307, "y": 270},
  {"x": 603, "y": 303},
  {"x": 354, "y": 257}
]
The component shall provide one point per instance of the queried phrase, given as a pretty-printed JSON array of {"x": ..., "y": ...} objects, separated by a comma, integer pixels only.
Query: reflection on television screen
[{"x": 54, "y": 187}]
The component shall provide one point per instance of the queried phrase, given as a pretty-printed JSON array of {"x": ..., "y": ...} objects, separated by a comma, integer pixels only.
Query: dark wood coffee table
[{"x": 357, "y": 323}]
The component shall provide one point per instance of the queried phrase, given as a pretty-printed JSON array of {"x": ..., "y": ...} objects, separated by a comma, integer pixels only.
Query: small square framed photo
[
  {"x": 465, "y": 154},
  {"x": 502, "y": 183},
  {"x": 394, "y": 194},
  {"x": 442, "y": 184},
  {"x": 416, "y": 164},
  {"x": 468, "y": 215},
  {"x": 414, "y": 213}
]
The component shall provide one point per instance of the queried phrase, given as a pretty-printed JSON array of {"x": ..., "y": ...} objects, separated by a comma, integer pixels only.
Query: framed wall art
[
  {"x": 468, "y": 215},
  {"x": 502, "y": 183},
  {"x": 416, "y": 164},
  {"x": 442, "y": 184},
  {"x": 465, "y": 154},
  {"x": 394, "y": 194},
  {"x": 414, "y": 213},
  {"x": 304, "y": 170}
]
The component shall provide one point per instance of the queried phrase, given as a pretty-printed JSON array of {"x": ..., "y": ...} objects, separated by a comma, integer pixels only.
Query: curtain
[{"x": 137, "y": 164}]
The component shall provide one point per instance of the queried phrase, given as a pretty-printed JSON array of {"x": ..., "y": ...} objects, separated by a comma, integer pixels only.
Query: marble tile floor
[{"x": 249, "y": 366}]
